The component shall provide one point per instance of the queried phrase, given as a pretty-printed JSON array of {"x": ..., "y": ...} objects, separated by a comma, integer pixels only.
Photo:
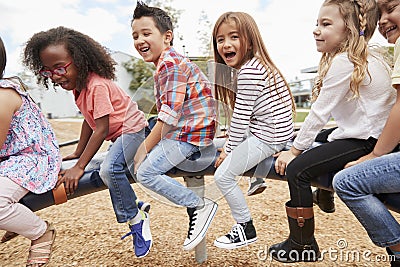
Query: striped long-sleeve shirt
[{"x": 263, "y": 106}]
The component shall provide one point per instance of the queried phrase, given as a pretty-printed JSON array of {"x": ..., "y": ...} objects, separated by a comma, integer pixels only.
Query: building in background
[{"x": 301, "y": 89}]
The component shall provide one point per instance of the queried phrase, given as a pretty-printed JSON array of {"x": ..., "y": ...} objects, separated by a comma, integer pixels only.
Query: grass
[{"x": 300, "y": 116}]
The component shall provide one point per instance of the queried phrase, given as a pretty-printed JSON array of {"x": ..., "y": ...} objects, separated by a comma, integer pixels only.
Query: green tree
[
  {"x": 142, "y": 84},
  {"x": 142, "y": 73},
  {"x": 166, "y": 5},
  {"x": 204, "y": 32}
]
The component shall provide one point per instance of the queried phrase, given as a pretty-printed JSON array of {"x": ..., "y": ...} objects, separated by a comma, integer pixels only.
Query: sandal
[
  {"x": 40, "y": 253},
  {"x": 8, "y": 236}
]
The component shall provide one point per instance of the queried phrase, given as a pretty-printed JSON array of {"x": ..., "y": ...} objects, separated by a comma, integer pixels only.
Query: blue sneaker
[
  {"x": 144, "y": 206},
  {"x": 141, "y": 234}
]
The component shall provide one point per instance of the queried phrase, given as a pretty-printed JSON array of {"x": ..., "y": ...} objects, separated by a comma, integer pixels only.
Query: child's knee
[
  {"x": 338, "y": 183},
  {"x": 5, "y": 205},
  {"x": 105, "y": 175},
  {"x": 141, "y": 176},
  {"x": 222, "y": 180}
]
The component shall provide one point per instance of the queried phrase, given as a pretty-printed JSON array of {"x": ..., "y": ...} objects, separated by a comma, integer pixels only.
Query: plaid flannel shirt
[{"x": 184, "y": 99}]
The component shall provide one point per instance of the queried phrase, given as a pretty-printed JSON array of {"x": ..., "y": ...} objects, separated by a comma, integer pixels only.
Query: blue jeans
[
  {"x": 163, "y": 157},
  {"x": 244, "y": 157},
  {"x": 112, "y": 172},
  {"x": 357, "y": 185}
]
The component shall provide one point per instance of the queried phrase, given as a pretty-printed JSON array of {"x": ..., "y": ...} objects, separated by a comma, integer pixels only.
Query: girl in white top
[
  {"x": 354, "y": 88},
  {"x": 262, "y": 119}
]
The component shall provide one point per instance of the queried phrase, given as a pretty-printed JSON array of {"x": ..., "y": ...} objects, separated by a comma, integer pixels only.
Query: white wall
[{"x": 57, "y": 103}]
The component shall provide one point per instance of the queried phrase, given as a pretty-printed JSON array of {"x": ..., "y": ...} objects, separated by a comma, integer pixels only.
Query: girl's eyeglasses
[{"x": 60, "y": 71}]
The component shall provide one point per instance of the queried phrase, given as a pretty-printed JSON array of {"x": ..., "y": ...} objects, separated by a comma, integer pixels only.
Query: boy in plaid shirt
[{"x": 186, "y": 118}]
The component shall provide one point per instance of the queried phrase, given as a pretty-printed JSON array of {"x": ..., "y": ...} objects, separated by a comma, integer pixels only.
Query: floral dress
[{"x": 30, "y": 155}]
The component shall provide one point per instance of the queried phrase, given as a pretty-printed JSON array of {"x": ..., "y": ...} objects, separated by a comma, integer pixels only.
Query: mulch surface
[{"x": 88, "y": 234}]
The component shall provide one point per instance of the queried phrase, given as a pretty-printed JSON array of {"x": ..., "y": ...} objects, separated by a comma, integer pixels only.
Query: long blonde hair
[
  {"x": 251, "y": 45},
  {"x": 361, "y": 18}
]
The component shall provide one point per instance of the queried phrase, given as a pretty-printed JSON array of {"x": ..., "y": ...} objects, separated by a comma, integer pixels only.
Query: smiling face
[
  {"x": 55, "y": 56},
  {"x": 389, "y": 21},
  {"x": 228, "y": 41},
  {"x": 331, "y": 29},
  {"x": 148, "y": 40}
]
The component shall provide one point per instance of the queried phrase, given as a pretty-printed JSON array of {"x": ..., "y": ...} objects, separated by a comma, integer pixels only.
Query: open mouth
[
  {"x": 388, "y": 30},
  {"x": 144, "y": 49},
  {"x": 230, "y": 55}
]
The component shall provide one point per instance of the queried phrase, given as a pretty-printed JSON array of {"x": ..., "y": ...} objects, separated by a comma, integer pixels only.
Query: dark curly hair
[
  {"x": 161, "y": 19},
  {"x": 88, "y": 55}
]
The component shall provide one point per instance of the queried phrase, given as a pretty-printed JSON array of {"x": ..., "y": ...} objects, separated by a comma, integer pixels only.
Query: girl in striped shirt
[{"x": 248, "y": 82}]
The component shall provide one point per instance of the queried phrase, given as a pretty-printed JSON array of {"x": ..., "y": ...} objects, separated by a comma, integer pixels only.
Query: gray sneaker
[
  {"x": 256, "y": 187},
  {"x": 200, "y": 219}
]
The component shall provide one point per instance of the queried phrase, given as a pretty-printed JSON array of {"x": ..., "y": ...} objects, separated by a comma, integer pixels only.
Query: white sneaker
[{"x": 199, "y": 221}]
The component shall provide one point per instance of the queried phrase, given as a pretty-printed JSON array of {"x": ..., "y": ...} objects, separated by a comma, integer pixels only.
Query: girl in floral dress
[{"x": 29, "y": 162}]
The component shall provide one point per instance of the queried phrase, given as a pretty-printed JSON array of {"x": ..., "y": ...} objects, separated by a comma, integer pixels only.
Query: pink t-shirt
[{"x": 103, "y": 97}]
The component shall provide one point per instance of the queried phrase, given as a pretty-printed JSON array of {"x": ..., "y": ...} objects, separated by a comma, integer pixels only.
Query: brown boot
[
  {"x": 324, "y": 199},
  {"x": 301, "y": 244}
]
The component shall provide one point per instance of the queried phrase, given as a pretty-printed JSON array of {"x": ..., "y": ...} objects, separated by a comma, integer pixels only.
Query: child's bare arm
[
  {"x": 10, "y": 102},
  {"x": 86, "y": 133},
  {"x": 71, "y": 176}
]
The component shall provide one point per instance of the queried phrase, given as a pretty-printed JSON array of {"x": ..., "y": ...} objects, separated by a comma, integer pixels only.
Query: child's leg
[
  {"x": 15, "y": 217},
  {"x": 358, "y": 186},
  {"x": 112, "y": 172},
  {"x": 163, "y": 157},
  {"x": 244, "y": 157}
]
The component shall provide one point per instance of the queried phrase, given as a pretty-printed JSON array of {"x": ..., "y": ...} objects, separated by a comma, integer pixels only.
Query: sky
[{"x": 286, "y": 26}]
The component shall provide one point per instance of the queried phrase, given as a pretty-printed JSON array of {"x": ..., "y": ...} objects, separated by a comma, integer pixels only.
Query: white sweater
[{"x": 361, "y": 117}]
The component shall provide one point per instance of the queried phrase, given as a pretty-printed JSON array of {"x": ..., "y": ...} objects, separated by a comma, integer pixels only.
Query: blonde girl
[
  {"x": 248, "y": 82},
  {"x": 353, "y": 87}
]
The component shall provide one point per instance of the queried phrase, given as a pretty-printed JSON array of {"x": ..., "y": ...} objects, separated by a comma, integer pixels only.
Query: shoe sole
[
  {"x": 257, "y": 190},
  {"x": 8, "y": 236},
  {"x": 203, "y": 232},
  {"x": 234, "y": 246},
  {"x": 326, "y": 211}
]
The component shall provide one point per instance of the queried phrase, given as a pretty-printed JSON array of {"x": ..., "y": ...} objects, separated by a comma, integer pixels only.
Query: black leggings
[{"x": 330, "y": 157}]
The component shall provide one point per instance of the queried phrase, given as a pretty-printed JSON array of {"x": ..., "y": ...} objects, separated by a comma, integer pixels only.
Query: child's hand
[
  {"x": 140, "y": 156},
  {"x": 71, "y": 156},
  {"x": 284, "y": 158},
  {"x": 362, "y": 159},
  {"x": 220, "y": 159},
  {"x": 70, "y": 178}
]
